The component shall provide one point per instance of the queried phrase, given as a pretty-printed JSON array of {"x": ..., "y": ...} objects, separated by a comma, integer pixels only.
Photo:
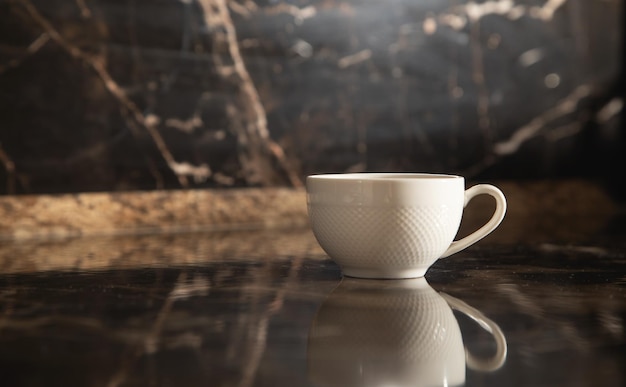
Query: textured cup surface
[{"x": 385, "y": 225}]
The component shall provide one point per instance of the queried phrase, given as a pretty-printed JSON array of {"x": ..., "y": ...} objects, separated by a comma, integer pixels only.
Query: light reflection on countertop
[{"x": 238, "y": 309}]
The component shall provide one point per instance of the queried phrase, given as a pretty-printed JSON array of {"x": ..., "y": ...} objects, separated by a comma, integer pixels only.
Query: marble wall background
[{"x": 145, "y": 94}]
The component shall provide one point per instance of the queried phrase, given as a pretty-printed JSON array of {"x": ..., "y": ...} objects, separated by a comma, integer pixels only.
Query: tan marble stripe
[
  {"x": 537, "y": 208},
  {"x": 57, "y": 216},
  {"x": 271, "y": 224}
]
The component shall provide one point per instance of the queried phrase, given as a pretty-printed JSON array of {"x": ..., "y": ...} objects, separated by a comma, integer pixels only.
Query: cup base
[{"x": 383, "y": 273}]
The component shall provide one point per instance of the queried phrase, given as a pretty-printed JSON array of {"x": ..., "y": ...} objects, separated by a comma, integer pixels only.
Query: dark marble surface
[
  {"x": 256, "y": 308},
  {"x": 144, "y": 94}
]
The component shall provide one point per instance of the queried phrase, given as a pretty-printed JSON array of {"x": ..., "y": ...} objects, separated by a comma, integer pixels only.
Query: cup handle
[
  {"x": 497, "y": 360},
  {"x": 488, "y": 227}
]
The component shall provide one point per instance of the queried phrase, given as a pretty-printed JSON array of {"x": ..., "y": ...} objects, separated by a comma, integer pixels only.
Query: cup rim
[{"x": 383, "y": 176}]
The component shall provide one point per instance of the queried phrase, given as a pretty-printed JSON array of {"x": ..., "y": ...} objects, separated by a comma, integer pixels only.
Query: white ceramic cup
[
  {"x": 394, "y": 333},
  {"x": 393, "y": 225}
]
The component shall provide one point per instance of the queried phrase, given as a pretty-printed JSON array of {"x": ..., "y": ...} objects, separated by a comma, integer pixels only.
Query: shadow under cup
[{"x": 389, "y": 225}]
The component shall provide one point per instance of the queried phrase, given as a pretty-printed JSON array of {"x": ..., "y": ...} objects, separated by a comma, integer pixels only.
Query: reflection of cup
[
  {"x": 393, "y": 225},
  {"x": 393, "y": 333}
]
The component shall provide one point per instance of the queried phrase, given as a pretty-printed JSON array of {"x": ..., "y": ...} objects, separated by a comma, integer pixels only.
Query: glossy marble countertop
[{"x": 268, "y": 308}]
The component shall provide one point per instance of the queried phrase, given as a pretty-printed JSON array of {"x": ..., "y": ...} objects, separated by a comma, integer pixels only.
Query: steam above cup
[
  {"x": 393, "y": 333},
  {"x": 393, "y": 225}
]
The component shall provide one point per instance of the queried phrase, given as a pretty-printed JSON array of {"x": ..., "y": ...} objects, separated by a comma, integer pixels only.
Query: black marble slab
[
  {"x": 145, "y": 94},
  {"x": 258, "y": 309}
]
